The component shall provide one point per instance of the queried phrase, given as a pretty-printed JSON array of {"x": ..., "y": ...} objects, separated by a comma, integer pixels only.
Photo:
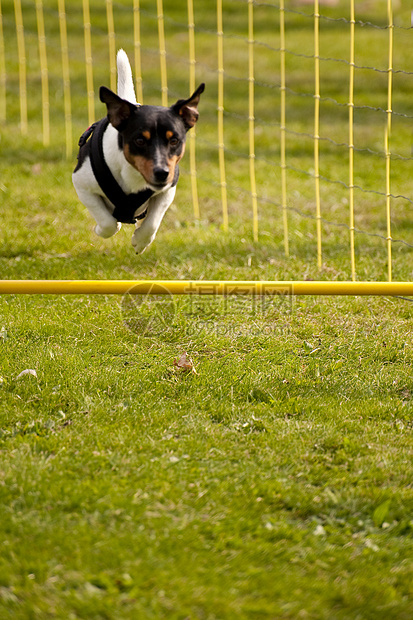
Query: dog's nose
[{"x": 160, "y": 174}]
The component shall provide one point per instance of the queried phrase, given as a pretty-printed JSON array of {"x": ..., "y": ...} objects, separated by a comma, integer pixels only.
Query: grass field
[{"x": 275, "y": 481}]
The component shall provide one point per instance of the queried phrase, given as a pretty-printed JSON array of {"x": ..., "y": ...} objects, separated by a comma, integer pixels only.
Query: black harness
[{"x": 125, "y": 204}]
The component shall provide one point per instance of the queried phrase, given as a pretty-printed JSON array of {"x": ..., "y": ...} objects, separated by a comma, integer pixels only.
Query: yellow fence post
[
  {"x": 387, "y": 138},
  {"x": 66, "y": 77},
  {"x": 351, "y": 141},
  {"x": 112, "y": 44},
  {"x": 3, "y": 105},
  {"x": 22, "y": 66},
  {"x": 317, "y": 128},
  {"x": 220, "y": 109},
  {"x": 192, "y": 86},
  {"x": 283, "y": 129},
  {"x": 162, "y": 52},
  {"x": 43, "y": 72},
  {"x": 137, "y": 48},
  {"x": 251, "y": 118},
  {"x": 89, "y": 63}
]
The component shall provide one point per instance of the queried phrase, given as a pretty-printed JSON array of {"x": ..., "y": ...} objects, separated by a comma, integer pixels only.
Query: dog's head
[{"x": 152, "y": 137}]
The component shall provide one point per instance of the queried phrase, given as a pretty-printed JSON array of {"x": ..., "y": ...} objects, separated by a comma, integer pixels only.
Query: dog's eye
[
  {"x": 140, "y": 141},
  {"x": 173, "y": 141}
]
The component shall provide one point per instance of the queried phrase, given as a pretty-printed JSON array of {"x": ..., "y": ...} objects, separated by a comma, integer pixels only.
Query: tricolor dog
[{"x": 127, "y": 166}]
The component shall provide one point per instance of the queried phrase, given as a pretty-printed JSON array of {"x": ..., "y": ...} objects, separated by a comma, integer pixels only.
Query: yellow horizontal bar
[{"x": 201, "y": 287}]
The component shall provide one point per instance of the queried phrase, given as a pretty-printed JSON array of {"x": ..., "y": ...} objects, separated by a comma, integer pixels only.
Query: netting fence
[{"x": 306, "y": 122}]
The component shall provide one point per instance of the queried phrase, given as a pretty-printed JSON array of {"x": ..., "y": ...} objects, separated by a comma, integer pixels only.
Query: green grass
[{"x": 275, "y": 482}]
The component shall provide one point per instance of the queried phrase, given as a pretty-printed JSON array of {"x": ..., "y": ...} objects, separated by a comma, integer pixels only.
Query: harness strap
[{"x": 125, "y": 204}]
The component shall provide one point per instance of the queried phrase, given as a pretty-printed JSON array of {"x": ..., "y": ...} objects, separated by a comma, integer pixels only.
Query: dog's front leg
[
  {"x": 157, "y": 207},
  {"x": 106, "y": 224}
]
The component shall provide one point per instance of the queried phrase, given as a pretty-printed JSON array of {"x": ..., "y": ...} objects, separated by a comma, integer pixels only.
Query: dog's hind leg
[{"x": 157, "y": 207}]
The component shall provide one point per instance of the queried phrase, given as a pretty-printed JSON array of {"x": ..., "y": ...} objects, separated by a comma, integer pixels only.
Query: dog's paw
[
  {"x": 140, "y": 243},
  {"x": 109, "y": 230}
]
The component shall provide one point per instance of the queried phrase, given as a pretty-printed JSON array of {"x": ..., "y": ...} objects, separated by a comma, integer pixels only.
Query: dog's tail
[{"x": 125, "y": 79}]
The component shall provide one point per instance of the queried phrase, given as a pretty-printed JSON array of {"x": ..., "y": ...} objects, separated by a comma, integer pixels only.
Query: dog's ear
[
  {"x": 187, "y": 109},
  {"x": 119, "y": 110}
]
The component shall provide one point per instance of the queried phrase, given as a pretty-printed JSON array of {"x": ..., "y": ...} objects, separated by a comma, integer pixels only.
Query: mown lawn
[{"x": 274, "y": 480}]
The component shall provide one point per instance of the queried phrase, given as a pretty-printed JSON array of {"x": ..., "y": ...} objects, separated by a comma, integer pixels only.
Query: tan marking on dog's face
[
  {"x": 146, "y": 135},
  {"x": 173, "y": 162},
  {"x": 145, "y": 166},
  {"x": 141, "y": 164},
  {"x": 169, "y": 135}
]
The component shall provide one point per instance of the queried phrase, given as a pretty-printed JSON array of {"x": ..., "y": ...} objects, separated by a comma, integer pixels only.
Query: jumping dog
[{"x": 127, "y": 167}]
